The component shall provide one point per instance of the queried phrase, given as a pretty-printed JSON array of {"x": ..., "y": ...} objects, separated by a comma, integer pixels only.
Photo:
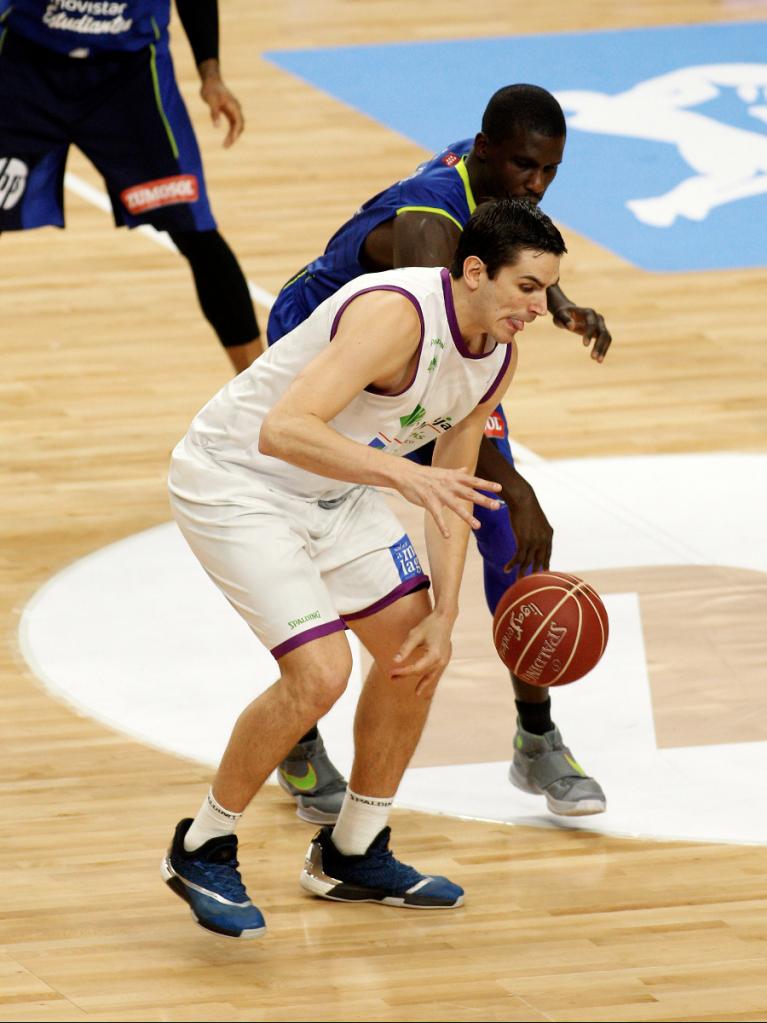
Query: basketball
[{"x": 550, "y": 628}]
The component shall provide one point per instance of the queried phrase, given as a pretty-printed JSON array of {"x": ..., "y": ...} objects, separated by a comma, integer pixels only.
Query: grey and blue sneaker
[
  {"x": 543, "y": 765},
  {"x": 374, "y": 877},
  {"x": 318, "y": 788},
  {"x": 209, "y": 881}
]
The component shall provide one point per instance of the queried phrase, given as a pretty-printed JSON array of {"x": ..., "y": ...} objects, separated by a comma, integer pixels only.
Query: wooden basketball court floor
[{"x": 106, "y": 358}]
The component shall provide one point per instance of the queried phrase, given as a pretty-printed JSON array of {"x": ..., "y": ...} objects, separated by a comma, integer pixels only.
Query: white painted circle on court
[{"x": 136, "y": 636}]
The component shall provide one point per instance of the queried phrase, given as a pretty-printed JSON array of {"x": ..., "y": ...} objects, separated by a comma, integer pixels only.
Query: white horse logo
[{"x": 730, "y": 163}]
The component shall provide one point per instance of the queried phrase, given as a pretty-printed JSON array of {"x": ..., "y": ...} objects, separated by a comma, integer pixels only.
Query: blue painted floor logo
[{"x": 666, "y": 161}]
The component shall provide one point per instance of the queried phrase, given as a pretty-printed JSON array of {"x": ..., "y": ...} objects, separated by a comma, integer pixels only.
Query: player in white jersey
[{"x": 274, "y": 487}]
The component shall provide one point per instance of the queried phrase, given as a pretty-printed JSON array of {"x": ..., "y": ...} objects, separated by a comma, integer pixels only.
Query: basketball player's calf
[
  {"x": 352, "y": 861},
  {"x": 201, "y": 865},
  {"x": 223, "y": 294}
]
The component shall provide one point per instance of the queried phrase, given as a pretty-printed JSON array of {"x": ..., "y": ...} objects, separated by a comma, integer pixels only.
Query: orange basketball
[{"x": 550, "y": 628}]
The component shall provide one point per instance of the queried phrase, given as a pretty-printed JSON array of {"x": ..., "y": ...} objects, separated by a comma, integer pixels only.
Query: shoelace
[
  {"x": 384, "y": 860},
  {"x": 227, "y": 880}
]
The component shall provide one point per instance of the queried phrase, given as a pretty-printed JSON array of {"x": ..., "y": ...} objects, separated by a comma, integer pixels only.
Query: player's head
[
  {"x": 497, "y": 233},
  {"x": 521, "y": 143},
  {"x": 507, "y": 256}
]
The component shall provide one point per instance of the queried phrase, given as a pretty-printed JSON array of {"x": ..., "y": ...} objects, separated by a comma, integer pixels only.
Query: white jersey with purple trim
[{"x": 448, "y": 383}]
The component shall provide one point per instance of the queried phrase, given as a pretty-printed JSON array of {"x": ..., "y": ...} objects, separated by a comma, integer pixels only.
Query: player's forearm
[
  {"x": 307, "y": 442},
  {"x": 556, "y": 298},
  {"x": 491, "y": 465},
  {"x": 447, "y": 557},
  {"x": 199, "y": 19}
]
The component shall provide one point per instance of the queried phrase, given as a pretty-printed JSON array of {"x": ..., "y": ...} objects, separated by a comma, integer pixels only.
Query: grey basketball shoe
[
  {"x": 308, "y": 775},
  {"x": 543, "y": 765}
]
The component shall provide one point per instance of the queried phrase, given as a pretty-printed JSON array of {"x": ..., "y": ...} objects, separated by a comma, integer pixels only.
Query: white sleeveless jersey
[{"x": 448, "y": 383}]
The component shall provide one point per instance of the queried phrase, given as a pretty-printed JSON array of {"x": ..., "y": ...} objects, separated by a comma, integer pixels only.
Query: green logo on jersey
[
  {"x": 437, "y": 341},
  {"x": 414, "y": 417},
  {"x": 432, "y": 365}
]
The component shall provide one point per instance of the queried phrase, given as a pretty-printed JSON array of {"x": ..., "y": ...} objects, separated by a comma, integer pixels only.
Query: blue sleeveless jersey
[
  {"x": 440, "y": 186},
  {"x": 83, "y": 27}
]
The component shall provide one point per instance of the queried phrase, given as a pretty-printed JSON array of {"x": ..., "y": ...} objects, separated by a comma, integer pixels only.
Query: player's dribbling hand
[
  {"x": 589, "y": 324},
  {"x": 222, "y": 101},
  {"x": 434, "y": 489},
  {"x": 430, "y": 642},
  {"x": 532, "y": 530}
]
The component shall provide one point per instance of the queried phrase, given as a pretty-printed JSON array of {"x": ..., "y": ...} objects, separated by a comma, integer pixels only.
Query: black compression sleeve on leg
[
  {"x": 221, "y": 286},
  {"x": 200, "y": 21},
  {"x": 535, "y": 717}
]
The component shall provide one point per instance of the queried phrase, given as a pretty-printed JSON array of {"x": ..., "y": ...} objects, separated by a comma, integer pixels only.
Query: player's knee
[
  {"x": 325, "y": 688},
  {"x": 320, "y": 685}
]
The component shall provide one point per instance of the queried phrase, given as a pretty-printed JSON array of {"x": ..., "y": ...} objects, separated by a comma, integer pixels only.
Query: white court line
[{"x": 100, "y": 199}]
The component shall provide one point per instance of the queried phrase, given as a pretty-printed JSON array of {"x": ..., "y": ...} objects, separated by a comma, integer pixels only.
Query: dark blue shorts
[{"x": 126, "y": 114}]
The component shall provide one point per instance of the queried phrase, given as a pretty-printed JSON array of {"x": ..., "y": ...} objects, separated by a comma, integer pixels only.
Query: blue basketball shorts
[{"x": 123, "y": 110}]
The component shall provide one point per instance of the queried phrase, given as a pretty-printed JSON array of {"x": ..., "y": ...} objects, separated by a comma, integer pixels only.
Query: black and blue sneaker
[
  {"x": 374, "y": 877},
  {"x": 209, "y": 881}
]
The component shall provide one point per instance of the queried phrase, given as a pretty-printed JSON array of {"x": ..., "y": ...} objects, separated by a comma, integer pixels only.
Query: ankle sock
[
  {"x": 360, "y": 820},
  {"x": 212, "y": 821}
]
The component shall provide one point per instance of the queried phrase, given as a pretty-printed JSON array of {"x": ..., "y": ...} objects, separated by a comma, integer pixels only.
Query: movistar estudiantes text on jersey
[{"x": 82, "y": 26}]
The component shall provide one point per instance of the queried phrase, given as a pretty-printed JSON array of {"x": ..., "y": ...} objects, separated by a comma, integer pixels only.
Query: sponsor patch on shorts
[
  {"x": 495, "y": 426},
  {"x": 150, "y": 195},
  {"x": 13, "y": 181},
  {"x": 406, "y": 559}
]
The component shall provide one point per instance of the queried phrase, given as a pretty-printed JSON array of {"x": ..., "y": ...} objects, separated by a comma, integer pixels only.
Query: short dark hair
[
  {"x": 522, "y": 106},
  {"x": 497, "y": 231}
]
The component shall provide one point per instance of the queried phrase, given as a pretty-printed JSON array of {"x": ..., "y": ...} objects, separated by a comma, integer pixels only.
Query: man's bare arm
[
  {"x": 581, "y": 320},
  {"x": 424, "y": 239},
  {"x": 532, "y": 530}
]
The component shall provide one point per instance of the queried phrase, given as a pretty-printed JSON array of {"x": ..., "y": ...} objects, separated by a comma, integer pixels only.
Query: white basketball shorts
[{"x": 295, "y": 568}]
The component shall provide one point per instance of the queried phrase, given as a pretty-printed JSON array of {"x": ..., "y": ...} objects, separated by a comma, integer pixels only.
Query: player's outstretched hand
[
  {"x": 589, "y": 324},
  {"x": 428, "y": 649},
  {"x": 532, "y": 530},
  {"x": 222, "y": 101},
  {"x": 435, "y": 489}
]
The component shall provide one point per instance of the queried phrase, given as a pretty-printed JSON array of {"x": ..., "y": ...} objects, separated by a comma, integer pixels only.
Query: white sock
[
  {"x": 360, "y": 820},
  {"x": 212, "y": 821}
]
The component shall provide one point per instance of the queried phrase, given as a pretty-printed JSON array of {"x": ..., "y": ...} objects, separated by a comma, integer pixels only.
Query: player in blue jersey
[
  {"x": 417, "y": 222},
  {"x": 98, "y": 74}
]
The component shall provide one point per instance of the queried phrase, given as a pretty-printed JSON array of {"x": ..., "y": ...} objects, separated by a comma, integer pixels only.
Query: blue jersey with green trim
[
  {"x": 440, "y": 186},
  {"x": 82, "y": 27}
]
